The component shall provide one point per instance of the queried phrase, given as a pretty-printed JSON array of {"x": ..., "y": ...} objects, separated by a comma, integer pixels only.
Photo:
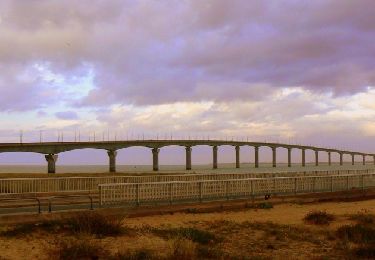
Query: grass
[
  {"x": 357, "y": 233},
  {"x": 84, "y": 222},
  {"x": 363, "y": 217},
  {"x": 78, "y": 248},
  {"x": 319, "y": 217},
  {"x": 96, "y": 224},
  {"x": 190, "y": 233},
  {"x": 139, "y": 254}
]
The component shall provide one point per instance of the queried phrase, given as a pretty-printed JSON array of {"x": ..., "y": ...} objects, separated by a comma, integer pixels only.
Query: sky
[{"x": 280, "y": 71}]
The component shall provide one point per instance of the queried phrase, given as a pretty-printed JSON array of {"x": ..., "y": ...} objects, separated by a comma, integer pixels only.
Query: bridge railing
[
  {"x": 90, "y": 184},
  {"x": 190, "y": 191}
]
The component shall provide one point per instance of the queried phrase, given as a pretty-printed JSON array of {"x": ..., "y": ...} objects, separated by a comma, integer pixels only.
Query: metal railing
[
  {"x": 189, "y": 191},
  {"x": 90, "y": 184}
]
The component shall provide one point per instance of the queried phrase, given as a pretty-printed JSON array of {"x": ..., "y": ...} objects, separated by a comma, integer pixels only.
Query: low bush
[
  {"x": 139, "y": 254},
  {"x": 96, "y": 223},
  {"x": 265, "y": 205},
  {"x": 357, "y": 233},
  {"x": 83, "y": 248},
  {"x": 364, "y": 218},
  {"x": 28, "y": 228},
  {"x": 319, "y": 218},
  {"x": 366, "y": 251},
  {"x": 190, "y": 233},
  {"x": 183, "y": 249}
]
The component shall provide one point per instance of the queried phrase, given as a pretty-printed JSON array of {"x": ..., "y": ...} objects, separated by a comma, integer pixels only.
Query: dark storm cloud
[{"x": 155, "y": 52}]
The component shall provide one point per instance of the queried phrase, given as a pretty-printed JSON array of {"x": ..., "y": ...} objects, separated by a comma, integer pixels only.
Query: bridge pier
[
  {"x": 237, "y": 156},
  {"x": 214, "y": 154},
  {"x": 273, "y": 156},
  {"x": 316, "y": 158},
  {"x": 51, "y": 159},
  {"x": 188, "y": 158},
  {"x": 341, "y": 159},
  {"x": 289, "y": 157},
  {"x": 353, "y": 161},
  {"x": 303, "y": 157},
  {"x": 155, "y": 159},
  {"x": 112, "y": 160},
  {"x": 329, "y": 159},
  {"x": 256, "y": 159}
]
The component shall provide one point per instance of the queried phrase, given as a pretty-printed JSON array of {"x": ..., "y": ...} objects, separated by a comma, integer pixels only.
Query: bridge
[{"x": 52, "y": 149}]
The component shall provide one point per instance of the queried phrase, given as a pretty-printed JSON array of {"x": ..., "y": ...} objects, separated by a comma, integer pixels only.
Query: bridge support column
[
  {"x": 256, "y": 161},
  {"x": 303, "y": 157},
  {"x": 112, "y": 160},
  {"x": 237, "y": 156},
  {"x": 316, "y": 158},
  {"x": 214, "y": 154},
  {"x": 289, "y": 157},
  {"x": 353, "y": 161},
  {"x": 155, "y": 159},
  {"x": 188, "y": 158},
  {"x": 364, "y": 159},
  {"x": 51, "y": 159},
  {"x": 329, "y": 159},
  {"x": 273, "y": 156},
  {"x": 341, "y": 159}
]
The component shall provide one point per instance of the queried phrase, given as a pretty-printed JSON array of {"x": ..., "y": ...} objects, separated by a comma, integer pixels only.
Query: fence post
[
  {"x": 170, "y": 193},
  {"x": 314, "y": 181},
  {"x": 331, "y": 183},
  {"x": 347, "y": 182},
  {"x": 362, "y": 182},
  {"x": 137, "y": 194},
  {"x": 200, "y": 191},
  {"x": 226, "y": 189},
  {"x": 100, "y": 196},
  {"x": 295, "y": 185}
]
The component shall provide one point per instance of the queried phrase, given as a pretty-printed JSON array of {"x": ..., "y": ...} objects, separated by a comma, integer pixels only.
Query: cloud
[
  {"x": 67, "y": 115},
  {"x": 202, "y": 50}
]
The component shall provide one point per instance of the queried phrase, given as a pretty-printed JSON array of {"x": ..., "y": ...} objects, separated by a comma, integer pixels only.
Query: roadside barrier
[
  {"x": 206, "y": 190},
  {"x": 90, "y": 184}
]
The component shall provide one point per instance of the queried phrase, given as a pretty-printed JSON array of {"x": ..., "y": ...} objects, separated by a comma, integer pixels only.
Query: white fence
[
  {"x": 179, "y": 191},
  {"x": 90, "y": 184}
]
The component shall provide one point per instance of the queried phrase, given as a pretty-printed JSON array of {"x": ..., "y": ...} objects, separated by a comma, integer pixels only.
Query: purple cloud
[
  {"x": 67, "y": 115},
  {"x": 196, "y": 51}
]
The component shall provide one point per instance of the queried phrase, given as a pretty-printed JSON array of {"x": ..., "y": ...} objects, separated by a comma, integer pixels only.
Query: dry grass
[
  {"x": 319, "y": 217},
  {"x": 77, "y": 248},
  {"x": 276, "y": 233},
  {"x": 96, "y": 224},
  {"x": 81, "y": 223}
]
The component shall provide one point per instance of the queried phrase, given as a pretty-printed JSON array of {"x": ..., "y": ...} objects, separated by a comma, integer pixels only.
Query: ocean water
[{"x": 245, "y": 167}]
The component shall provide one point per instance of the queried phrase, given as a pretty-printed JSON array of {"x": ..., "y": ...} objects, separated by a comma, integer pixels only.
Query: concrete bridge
[{"x": 52, "y": 149}]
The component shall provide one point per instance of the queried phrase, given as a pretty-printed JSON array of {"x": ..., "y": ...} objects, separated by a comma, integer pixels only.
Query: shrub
[
  {"x": 28, "y": 228},
  {"x": 265, "y": 205},
  {"x": 183, "y": 249},
  {"x": 364, "y": 218},
  {"x": 366, "y": 251},
  {"x": 78, "y": 249},
  {"x": 357, "y": 233},
  {"x": 190, "y": 233},
  {"x": 97, "y": 224},
  {"x": 319, "y": 218},
  {"x": 140, "y": 254}
]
